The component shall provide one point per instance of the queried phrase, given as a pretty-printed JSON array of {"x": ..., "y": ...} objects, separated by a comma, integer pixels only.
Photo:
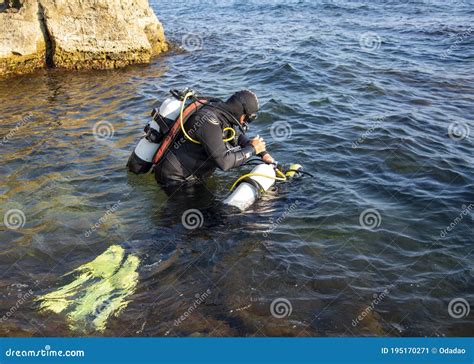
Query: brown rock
[
  {"x": 22, "y": 46},
  {"x": 79, "y": 34}
]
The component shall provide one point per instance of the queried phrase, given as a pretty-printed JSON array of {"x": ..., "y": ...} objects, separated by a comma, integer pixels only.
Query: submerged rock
[{"x": 77, "y": 34}]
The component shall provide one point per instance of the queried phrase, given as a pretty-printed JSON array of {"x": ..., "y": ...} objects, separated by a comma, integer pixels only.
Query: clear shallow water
[{"x": 369, "y": 115}]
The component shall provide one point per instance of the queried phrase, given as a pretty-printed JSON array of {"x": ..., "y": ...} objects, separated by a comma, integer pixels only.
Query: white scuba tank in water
[
  {"x": 141, "y": 159},
  {"x": 247, "y": 193}
]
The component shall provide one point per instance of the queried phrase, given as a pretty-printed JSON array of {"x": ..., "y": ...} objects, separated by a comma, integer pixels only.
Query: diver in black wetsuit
[{"x": 207, "y": 146}]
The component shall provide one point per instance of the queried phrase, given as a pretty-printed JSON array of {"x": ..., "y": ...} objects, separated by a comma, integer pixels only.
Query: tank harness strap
[
  {"x": 152, "y": 135},
  {"x": 254, "y": 183},
  {"x": 174, "y": 131}
]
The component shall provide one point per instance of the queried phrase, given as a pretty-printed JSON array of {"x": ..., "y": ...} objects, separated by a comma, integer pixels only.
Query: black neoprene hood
[{"x": 245, "y": 101}]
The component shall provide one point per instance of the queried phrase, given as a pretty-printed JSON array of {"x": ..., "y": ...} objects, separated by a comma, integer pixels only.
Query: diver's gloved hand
[
  {"x": 267, "y": 158},
  {"x": 259, "y": 145}
]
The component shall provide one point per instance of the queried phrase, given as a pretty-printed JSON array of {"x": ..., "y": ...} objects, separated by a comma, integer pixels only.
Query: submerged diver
[{"x": 206, "y": 145}]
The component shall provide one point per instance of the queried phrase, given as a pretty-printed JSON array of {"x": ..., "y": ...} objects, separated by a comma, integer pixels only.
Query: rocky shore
[{"x": 77, "y": 34}]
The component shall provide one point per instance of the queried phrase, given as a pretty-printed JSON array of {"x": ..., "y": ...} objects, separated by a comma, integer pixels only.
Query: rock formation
[
  {"x": 22, "y": 44},
  {"x": 76, "y": 34}
]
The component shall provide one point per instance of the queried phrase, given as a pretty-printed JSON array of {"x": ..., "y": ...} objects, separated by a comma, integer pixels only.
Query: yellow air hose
[
  {"x": 181, "y": 122},
  {"x": 232, "y": 134},
  {"x": 283, "y": 179},
  {"x": 282, "y": 175},
  {"x": 181, "y": 119}
]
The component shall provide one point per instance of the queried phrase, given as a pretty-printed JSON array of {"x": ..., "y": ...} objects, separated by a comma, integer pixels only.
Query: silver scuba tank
[
  {"x": 261, "y": 179},
  {"x": 247, "y": 193},
  {"x": 141, "y": 160}
]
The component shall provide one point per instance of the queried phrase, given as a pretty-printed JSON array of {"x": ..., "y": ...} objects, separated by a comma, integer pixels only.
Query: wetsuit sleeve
[
  {"x": 243, "y": 140},
  {"x": 211, "y": 138}
]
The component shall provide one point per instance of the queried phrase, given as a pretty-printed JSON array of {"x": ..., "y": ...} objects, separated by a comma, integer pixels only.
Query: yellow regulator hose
[
  {"x": 181, "y": 122},
  {"x": 181, "y": 119},
  {"x": 232, "y": 136},
  {"x": 283, "y": 179}
]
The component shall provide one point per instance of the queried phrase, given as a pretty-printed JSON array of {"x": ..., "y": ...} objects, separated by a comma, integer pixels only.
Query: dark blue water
[{"x": 375, "y": 99}]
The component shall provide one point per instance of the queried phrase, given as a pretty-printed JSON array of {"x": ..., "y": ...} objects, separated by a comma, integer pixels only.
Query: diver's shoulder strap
[{"x": 175, "y": 128}]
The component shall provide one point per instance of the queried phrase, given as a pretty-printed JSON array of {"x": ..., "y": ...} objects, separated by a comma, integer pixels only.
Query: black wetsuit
[{"x": 186, "y": 161}]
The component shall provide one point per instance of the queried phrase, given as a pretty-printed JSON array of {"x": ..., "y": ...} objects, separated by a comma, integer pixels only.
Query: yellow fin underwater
[{"x": 99, "y": 290}]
